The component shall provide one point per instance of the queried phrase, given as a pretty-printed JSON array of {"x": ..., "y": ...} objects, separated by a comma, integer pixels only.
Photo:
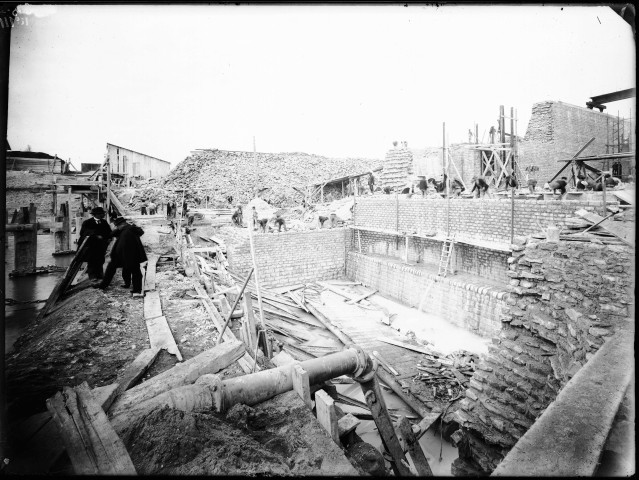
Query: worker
[
  {"x": 263, "y": 222},
  {"x": 386, "y": 190},
  {"x": 237, "y": 218},
  {"x": 371, "y": 181},
  {"x": 479, "y": 184},
  {"x": 127, "y": 253},
  {"x": 456, "y": 187},
  {"x": 612, "y": 182},
  {"x": 321, "y": 219},
  {"x": 558, "y": 185},
  {"x": 229, "y": 198},
  {"x": 280, "y": 222},
  {"x": 185, "y": 208},
  {"x": 143, "y": 207},
  {"x": 190, "y": 218},
  {"x": 491, "y": 132},
  {"x": 152, "y": 207},
  {"x": 532, "y": 184},
  {"x": 423, "y": 184},
  {"x": 510, "y": 181},
  {"x": 334, "y": 220},
  {"x": 254, "y": 218},
  {"x": 168, "y": 210},
  {"x": 98, "y": 233}
]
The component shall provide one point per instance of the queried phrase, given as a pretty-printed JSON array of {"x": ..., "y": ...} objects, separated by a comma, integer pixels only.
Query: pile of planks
[
  {"x": 448, "y": 375},
  {"x": 589, "y": 227}
]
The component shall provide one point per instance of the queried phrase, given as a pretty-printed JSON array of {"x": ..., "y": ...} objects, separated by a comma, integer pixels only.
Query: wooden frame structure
[{"x": 315, "y": 191}]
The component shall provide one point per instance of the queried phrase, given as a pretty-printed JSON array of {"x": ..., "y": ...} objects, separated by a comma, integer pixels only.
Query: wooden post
[
  {"x": 414, "y": 449},
  {"x": 250, "y": 317},
  {"x": 301, "y": 384},
  {"x": 512, "y": 215},
  {"x": 26, "y": 241},
  {"x": 108, "y": 187},
  {"x": 326, "y": 415},
  {"x": 406, "y": 250},
  {"x": 603, "y": 190},
  {"x": 375, "y": 401}
]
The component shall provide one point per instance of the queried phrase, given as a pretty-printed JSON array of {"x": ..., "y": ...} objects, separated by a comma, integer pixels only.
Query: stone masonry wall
[
  {"x": 565, "y": 300},
  {"x": 292, "y": 257},
  {"x": 485, "y": 219},
  {"x": 474, "y": 306},
  {"x": 43, "y": 202},
  {"x": 482, "y": 262},
  {"x": 557, "y": 130}
]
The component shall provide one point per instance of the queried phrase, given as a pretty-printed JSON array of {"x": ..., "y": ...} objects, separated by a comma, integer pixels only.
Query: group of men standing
[{"x": 127, "y": 252}]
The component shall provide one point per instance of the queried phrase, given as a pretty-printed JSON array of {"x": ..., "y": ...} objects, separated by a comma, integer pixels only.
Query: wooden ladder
[{"x": 447, "y": 252}]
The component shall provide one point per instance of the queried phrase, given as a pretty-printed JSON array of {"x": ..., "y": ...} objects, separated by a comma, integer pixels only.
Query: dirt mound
[
  {"x": 277, "y": 437},
  {"x": 220, "y": 173},
  {"x": 90, "y": 339}
]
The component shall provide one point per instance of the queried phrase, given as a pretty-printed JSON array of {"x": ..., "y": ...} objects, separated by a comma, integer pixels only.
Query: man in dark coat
[
  {"x": 127, "y": 253},
  {"x": 98, "y": 234}
]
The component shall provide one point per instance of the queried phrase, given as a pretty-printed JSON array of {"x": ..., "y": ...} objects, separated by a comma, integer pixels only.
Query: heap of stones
[
  {"x": 221, "y": 173},
  {"x": 398, "y": 167}
]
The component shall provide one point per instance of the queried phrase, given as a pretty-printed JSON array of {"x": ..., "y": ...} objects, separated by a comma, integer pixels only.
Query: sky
[{"x": 339, "y": 81}]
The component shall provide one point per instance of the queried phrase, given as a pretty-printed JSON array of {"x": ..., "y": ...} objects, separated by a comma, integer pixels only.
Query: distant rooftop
[{"x": 135, "y": 151}]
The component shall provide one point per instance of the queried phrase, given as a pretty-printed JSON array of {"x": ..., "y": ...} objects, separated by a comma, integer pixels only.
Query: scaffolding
[{"x": 499, "y": 159}]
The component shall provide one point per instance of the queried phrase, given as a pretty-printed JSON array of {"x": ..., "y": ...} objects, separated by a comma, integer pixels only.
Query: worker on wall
[
  {"x": 98, "y": 233},
  {"x": 127, "y": 253}
]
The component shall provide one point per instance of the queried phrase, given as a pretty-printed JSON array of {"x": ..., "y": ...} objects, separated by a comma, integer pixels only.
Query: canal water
[{"x": 25, "y": 289}]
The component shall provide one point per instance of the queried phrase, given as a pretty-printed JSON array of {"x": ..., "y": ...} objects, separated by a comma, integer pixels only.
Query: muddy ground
[{"x": 98, "y": 333}]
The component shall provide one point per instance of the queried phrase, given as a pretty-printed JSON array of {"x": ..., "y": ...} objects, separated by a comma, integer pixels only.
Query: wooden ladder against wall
[{"x": 447, "y": 252}]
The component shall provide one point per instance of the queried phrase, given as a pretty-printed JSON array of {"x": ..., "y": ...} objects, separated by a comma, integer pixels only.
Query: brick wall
[
  {"x": 482, "y": 262},
  {"x": 557, "y": 130},
  {"x": 292, "y": 257},
  {"x": 475, "y": 307},
  {"x": 565, "y": 300},
  {"x": 485, "y": 219}
]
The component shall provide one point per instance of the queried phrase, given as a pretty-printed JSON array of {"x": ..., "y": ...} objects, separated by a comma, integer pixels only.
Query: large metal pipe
[{"x": 260, "y": 386}]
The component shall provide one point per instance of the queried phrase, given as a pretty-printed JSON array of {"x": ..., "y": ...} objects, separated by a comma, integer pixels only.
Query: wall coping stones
[{"x": 568, "y": 438}]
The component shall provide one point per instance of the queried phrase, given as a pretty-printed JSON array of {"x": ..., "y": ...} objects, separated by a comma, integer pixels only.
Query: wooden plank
[
  {"x": 75, "y": 441},
  {"x": 414, "y": 449},
  {"x": 152, "y": 305},
  {"x": 64, "y": 282},
  {"x": 408, "y": 398},
  {"x": 345, "y": 339},
  {"x": 363, "y": 297},
  {"x": 375, "y": 401},
  {"x": 113, "y": 458},
  {"x": 337, "y": 291},
  {"x": 105, "y": 395},
  {"x": 160, "y": 335},
  {"x": 149, "y": 283},
  {"x": 326, "y": 415},
  {"x": 210, "y": 361},
  {"x": 625, "y": 196},
  {"x": 347, "y": 424},
  {"x": 250, "y": 320},
  {"x": 301, "y": 384},
  {"x": 384, "y": 363},
  {"x": 297, "y": 300},
  {"x": 622, "y": 232},
  {"x": 246, "y": 362},
  {"x": 407, "y": 345},
  {"x": 134, "y": 371},
  {"x": 462, "y": 379}
]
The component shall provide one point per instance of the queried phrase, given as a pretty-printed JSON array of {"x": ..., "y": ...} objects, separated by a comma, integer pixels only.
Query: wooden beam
[
  {"x": 152, "y": 305},
  {"x": 406, "y": 345},
  {"x": 326, "y": 415},
  {"x": 414, "y": 449},
  {"x": 160, "y": 335},
  {"x": 347, "y": 424},
  {"x": 150, "y": 272},
  {"x": 210, "y": 361},
  {"x": 301, "y": 384}
]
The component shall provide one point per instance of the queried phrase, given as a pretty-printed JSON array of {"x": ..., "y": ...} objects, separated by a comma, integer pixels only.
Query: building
[
  {"x": 36, "y": 162},
  {"x": 135, "y": 165}
]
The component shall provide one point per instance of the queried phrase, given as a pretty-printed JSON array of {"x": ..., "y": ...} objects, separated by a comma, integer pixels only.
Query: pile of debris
[{"x": 220, "y": 173}]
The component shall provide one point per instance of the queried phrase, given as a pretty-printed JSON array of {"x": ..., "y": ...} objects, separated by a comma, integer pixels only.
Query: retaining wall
[
  {"x": 482, "y": 219},
  {"x": 482, "y": 262},
  {"x": 474, "y": 306},
  {"x": 565, "y": 300},
  {"x": 292, "y": 257}
]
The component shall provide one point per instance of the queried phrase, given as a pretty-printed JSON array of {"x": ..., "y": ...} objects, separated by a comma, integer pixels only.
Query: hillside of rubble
[{"x": 220, "y": 173}]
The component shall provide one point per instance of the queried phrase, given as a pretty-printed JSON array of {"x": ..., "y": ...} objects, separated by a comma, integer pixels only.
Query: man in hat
[
  {"x": 98, "y": 234},
  {"x": 127, "y": 253}
]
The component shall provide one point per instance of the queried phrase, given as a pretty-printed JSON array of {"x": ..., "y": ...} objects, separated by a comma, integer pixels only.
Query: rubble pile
[{"x": 220, "y": 173}]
